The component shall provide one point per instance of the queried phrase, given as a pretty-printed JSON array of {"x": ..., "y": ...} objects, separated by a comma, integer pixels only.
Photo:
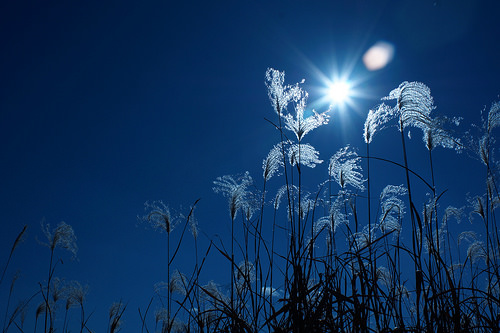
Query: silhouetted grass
[{"x": 334, "y": 260}]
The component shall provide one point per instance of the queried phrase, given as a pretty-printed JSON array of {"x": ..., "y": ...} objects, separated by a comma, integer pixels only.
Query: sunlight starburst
[{"x": 339, "y": 92}]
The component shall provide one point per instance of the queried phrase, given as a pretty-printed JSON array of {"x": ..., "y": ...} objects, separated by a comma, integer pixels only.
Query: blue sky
[{"x": 107, "y": 105}]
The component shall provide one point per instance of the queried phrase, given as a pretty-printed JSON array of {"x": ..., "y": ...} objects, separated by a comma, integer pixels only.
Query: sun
[
  {"x": 340, "y": 89},
  {"x": 339, "y": 92}
]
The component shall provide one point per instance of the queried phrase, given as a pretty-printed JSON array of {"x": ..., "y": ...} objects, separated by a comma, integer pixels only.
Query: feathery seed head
[
  {"x": 322, "y": 223},
  {"x": 280, "y": 95},
  {"x": 337, "y": 213},
  {"x": 245, "y": 273},
  {"x": 392, "y": 207},
  {"x": 212, "y": 292},
  {"x": 115, "y": 309},
  {"x": 77, "y": 292},
  {"x": 476, "y": 251},
  {"x": 161, "y": 315},
  {"x": 62, "y": 236},
  {"x": 377, "y": 119},
  {"x": 345, "y": 169},
  {"x": 361, "y": 239},
  {"x": 193, "y": 226},
  {"x": 454, "y": 212},
  {"x": 484, "y": 154},
  {"x": 159, "y": 216},
  {"x": 273, "y": 161},
  {"x": 160, "y": 287},
  {"x": 299, "y": 125},
  {"x": 307, "y": 204},
  {"x": 468, "y": 236},
  {"x": 384, "y": 276},
  {"x": 304, "y": 154},
  {"x": 414, "y": 104},
  {"x": 435, "y": 134},
  {"x": 235, "y": 189},
  {"x": 178, "y": 283},
  {"x": 280, "y": 193},
  {"x": 493, "y": 116},
  {"x": 41, "y": 308},
  {"x": 477, "y": 204},
  {"x": 115, "y": 313}
]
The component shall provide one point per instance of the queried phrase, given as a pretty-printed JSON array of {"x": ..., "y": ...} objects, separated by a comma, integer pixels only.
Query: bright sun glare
[{"x": 339, "y": 92}]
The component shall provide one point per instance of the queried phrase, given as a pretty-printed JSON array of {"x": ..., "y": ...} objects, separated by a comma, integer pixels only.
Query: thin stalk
[
  {"x": 48, "y": 312},
  {"x": 413, "y": 225}
]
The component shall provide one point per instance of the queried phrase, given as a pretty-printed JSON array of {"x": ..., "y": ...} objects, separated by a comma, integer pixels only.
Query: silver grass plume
[
  {"x": 193, "y": 227},
  {"x": 273, "y": 161},
  {"x": 291, "y": 190},
  {"x": 336, "y": 215},
  {"x": 280, "y": 193},
  {"x": 57, "y": 290},
  {"x": 246, "y": 270},
  {"x": 235, "y": 189},
  {"x": 392, "y": 207},
  {"x": 456, "y": 213},
  {"x": 280, "y": 95},
  {"x": 345, "y": 169},
  {"x": 361, "y": 239},
  {"x": 376, "y": 119},
  {"x": 212, "y": 293},
  {"x": 487, "y": 139},
  {"x": 414, "y": 104},
  {"x": 438, "y": 238},
  {"x": 478, "y": 205},
  {"x": 160, "y": 287},
  {"x": 384, "y": 276},
  {"x": 307, "y": 204},
  {"x": 62, "y": 236},
  {"x": 323, "y": 223},
  {"x": 161, "y": 315},
  {"x": 178, "y": 283},
  {"x": 115, "y": 313},
  {"x": 301, "y": 125},
  {"x": 75, "y": 293},
  {"x": 192, "y": 221},
  {"x": 435, "y": 135},
  {"x": 114, "y": 309},
  {"x": 304, "y": 154},
  {"x": 476, "y": 251},
  {"x": 245, "y": 274},
  {"x": 159, "y": 216},
  {"x": 41, "y": 308},
  {"x": 413, "y": 108},
  {"x": 468, "y": 236},
  {"x": 494, "y": 116}
]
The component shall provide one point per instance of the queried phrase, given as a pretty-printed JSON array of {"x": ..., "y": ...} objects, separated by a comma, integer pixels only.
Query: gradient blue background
[{"x": 107, "y": 104}]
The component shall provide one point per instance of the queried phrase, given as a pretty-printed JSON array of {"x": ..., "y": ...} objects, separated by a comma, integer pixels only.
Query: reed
[{"x": 343, "y": 257}]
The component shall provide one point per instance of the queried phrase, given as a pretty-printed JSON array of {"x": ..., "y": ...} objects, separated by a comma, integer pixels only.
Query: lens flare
[{"x": 378, "y": 56}]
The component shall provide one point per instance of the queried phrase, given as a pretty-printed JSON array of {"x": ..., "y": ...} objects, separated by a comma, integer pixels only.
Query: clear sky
[{"x": 105, "y": 105}]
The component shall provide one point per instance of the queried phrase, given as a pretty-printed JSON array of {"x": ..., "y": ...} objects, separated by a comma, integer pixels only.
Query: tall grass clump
[{"x": 365, "y": 249}]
